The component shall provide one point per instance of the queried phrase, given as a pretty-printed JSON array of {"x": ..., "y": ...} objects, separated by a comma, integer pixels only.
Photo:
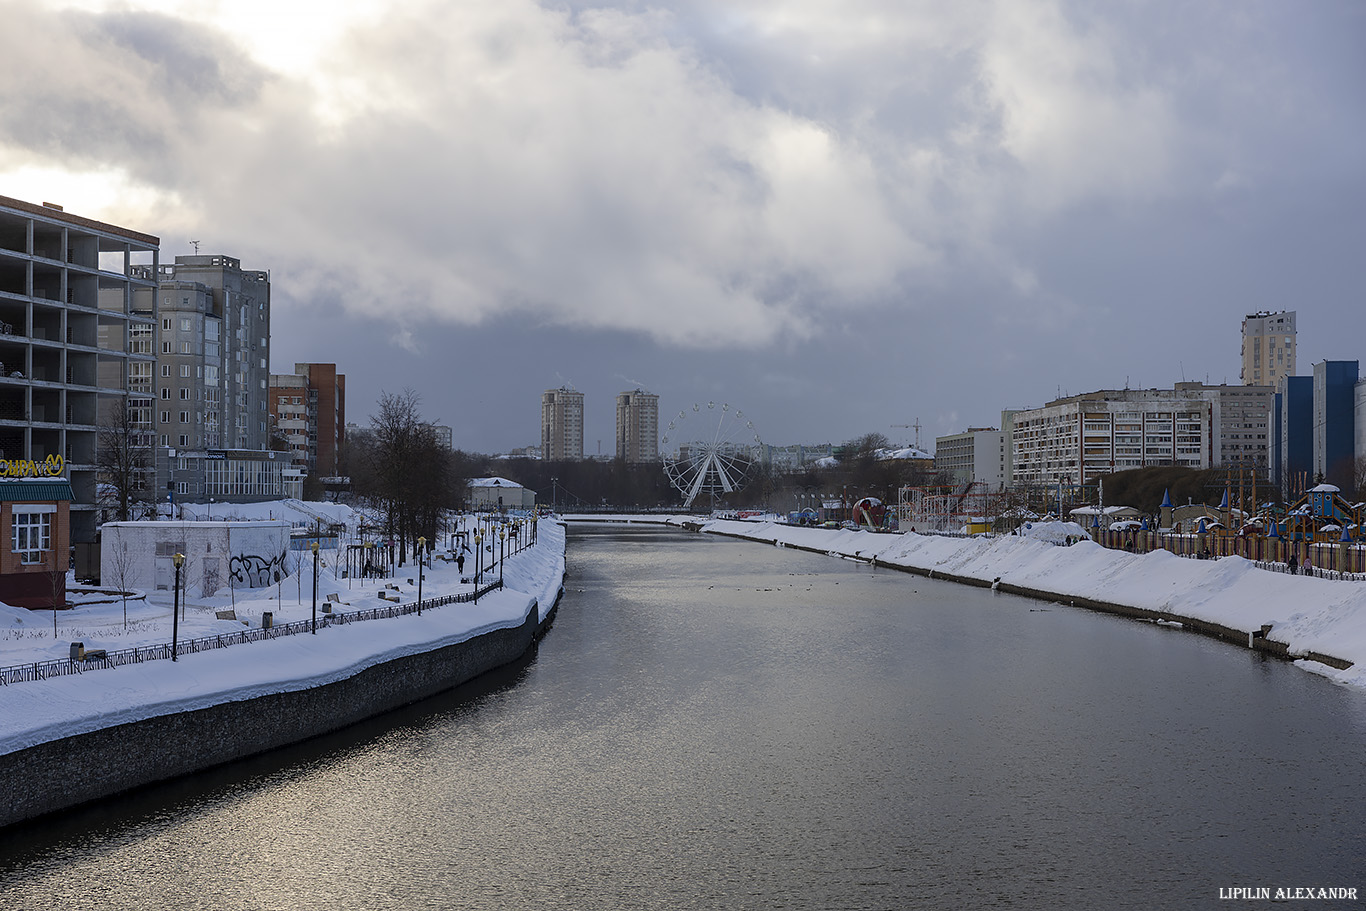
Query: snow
[
  {"x": 298, "y": 513},
  {"x": 1306, "y": 613},
  {"x": 39, "y": 711}
]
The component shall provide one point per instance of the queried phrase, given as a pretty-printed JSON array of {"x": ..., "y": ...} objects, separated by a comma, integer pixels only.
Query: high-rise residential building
[
  {"x": 1335, "y": 421},
  {"x": 1268, "y": 348},
  {"x": 213, "y": 379},
  {"x": 73, "y": 345},
  {"x": 1076, "y": 439},
  {"x": 213, "y": 354},
  {"x": 638, "y": 426},
  {"x": 308, "y": 408},
  {"x": 562, "y": 424},
  {"x": 976, "y": 454}
]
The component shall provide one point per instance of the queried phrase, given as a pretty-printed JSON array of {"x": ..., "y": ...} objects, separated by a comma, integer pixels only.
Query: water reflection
[{"x": 718, "y": 724}]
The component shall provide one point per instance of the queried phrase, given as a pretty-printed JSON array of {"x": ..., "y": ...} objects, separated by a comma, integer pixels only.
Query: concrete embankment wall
[{"x": 64, "y": 773}]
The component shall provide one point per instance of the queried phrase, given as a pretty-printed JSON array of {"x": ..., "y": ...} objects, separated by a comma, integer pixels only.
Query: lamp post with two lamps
[{"x": 502, "y": 552}]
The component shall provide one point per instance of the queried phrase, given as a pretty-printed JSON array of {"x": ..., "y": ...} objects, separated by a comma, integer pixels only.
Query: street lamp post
[
  {"x": 365, "y": 570},
  {"x": 179, "y": 561},
  {"x": 315, "y": 586},
  {"x": 478, "y": 559},
  {"x": 421, "y": 556},
  {"x": 502, "y": 553}
]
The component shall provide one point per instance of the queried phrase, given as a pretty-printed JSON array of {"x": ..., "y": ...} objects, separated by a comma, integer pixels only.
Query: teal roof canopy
[{"x": 35, "y": 491}]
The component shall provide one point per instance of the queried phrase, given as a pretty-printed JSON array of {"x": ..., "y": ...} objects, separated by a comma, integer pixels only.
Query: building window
[
  {"x": 165, "y": 369},
  {"x": 166, "y": 323},
  {"x": 166, "y": 417},
  {"x": 165, "y": 392},
  {"x": 185, "y": 370},
  {"x": 165, "y": 347},
  {"x": 32, "y": 534},
  {"x": 184, "y": 324},
  {"x": 184, "y": 417}
]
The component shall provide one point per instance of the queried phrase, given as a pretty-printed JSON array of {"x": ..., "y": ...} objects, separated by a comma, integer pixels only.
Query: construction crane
[{"x": 916, "y": 426}]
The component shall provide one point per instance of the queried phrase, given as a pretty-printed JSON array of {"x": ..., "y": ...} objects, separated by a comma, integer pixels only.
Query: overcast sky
[{"x": 838, "y": 217}]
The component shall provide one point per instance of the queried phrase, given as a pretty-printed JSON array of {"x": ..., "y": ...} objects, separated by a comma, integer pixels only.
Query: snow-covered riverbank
[
  {"x": 1307, "y": 614},
  {"x": 41, "y": 711}
]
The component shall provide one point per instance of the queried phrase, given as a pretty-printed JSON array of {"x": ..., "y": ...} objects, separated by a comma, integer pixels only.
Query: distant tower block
[
  {"x": 638, "y": 426},
  {"x": 562, "y": 424},
  {"x": 1268, "y": 348}
]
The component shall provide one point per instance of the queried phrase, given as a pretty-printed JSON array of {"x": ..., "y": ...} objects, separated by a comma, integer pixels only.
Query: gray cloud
[{"x": 833, "y": 210}]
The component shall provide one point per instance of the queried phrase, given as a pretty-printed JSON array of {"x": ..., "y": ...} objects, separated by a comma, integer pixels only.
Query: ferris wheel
[{"x": 709, "y": 449}]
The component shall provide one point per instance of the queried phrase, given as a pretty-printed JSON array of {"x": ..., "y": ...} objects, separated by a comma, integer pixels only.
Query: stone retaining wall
[{"x": 64, "y": 773}]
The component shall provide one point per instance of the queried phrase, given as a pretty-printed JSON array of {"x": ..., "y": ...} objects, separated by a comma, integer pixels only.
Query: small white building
[
  {"x": 140, "y": 555},
  {"x": 499, "y": 494}
]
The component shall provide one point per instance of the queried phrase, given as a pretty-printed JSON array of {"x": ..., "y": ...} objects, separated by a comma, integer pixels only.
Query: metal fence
[{"x": 42, "y": 670}]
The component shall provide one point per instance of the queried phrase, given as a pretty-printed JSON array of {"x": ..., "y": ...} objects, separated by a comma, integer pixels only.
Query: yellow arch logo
[{"x": 51, "y": 467}]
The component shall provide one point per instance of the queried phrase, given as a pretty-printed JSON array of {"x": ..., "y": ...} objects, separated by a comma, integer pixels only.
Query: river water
[{"x": 718, "y": 724}]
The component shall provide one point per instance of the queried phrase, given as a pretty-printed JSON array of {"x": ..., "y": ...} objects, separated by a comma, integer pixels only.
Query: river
[{"x": 721, "y": 724}]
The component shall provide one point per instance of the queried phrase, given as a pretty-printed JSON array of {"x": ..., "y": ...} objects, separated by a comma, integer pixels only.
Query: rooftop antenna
[{"x": 195, "y": 244}]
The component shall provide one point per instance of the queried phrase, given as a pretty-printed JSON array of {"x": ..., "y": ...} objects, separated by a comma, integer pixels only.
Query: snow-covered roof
[
  {"x": 493, "y": 482},
  {"x": 910, "y": 452}
]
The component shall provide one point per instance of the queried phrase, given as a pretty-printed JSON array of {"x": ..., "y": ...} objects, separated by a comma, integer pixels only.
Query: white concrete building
[
  {"x": 1076, "y": 439},
  {"x": 140, "y": 555},
  {"x": 499, "y": 494},
  {"x": 977, "y": 454}
]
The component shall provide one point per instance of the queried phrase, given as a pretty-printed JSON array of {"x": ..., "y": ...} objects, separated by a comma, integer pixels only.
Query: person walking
[
  {"x": 460, "y": 563},
  {"x": 1293, "y": 564}
]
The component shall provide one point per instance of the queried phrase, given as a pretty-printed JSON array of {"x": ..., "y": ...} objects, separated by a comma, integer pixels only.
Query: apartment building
[
  {"x": 308, "y": 409},
  {"x": 976, "y": 454},
  {"x": 1240, "y": 416},
  {"x": 638, "y": 426},
  {"x": 1073, "y": 440},
  {"x": 212, "y": 321},
  {"x": 73, "y": 344},
  {"x": 562, "y": 424},
  {"x": 1268, "y": 351}
]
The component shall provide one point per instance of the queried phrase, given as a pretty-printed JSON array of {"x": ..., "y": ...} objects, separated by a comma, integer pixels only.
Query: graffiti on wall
[{"x": 254, "y": 571}]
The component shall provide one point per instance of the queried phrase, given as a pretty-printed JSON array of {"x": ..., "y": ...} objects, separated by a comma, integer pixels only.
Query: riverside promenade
[{"x": 80, "y": 737}]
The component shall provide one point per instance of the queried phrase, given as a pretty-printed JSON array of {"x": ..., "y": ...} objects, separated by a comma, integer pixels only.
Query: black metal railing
[{"x": 42, "y": 670}]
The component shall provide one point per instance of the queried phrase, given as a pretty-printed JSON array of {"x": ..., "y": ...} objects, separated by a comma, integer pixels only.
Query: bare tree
[
  {"x": 124, "y": 461},
  {"x": 120, "y": 573}
]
